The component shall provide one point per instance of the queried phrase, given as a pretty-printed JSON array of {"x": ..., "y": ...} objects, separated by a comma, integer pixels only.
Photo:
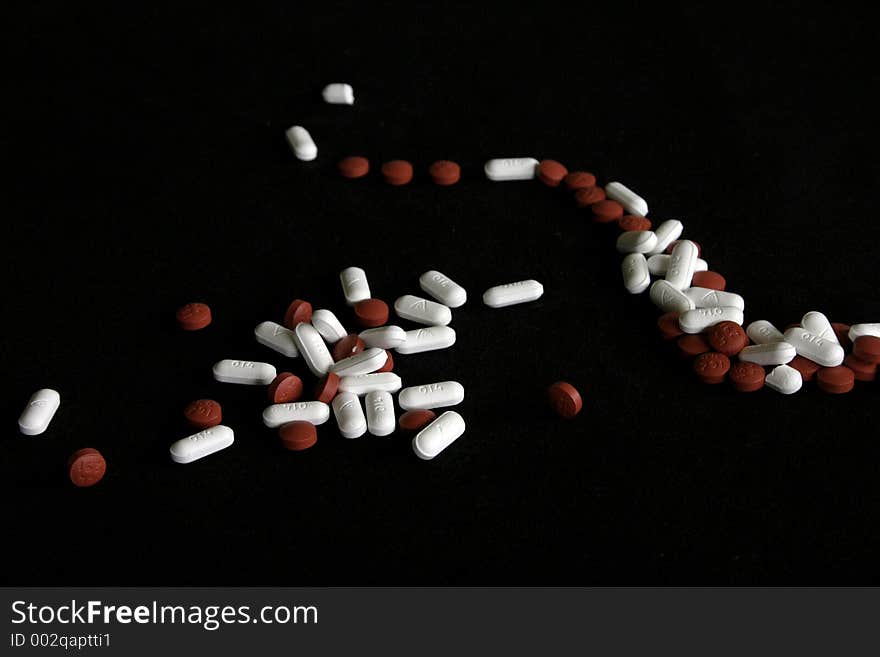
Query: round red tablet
[
  {"x": 836, "y": 380},
  {"x": 203, "y": 414},
  {"x": 285, "y": 388},
  {"x": 397, "y": 172},
  {"x": 861, "y": 370},
  {"x": 711, "y": 367},
  {"x": 327, "y": 387},
  {"x": 586, "y": 196},
  {"x": 551, "y": 172},
  {"x": 416, "y": 420},
  {"x": 348, "y": 346},
  {"x": 634, "y": 222},
  {"x": 867, "y": 348},
  {"x": 668, "y": 325},
  {"x": 579, "y": 180},
  {"x": 692, "y": 345},
  {"x": 565, "y": 399},
  {"x": 727, "y": 338},
  {"x": 709, "y": 279},
  {"x": 445, "y": 172},
  {"x": 746, "y": 377},
  {"x": 86, "y": 467},
  {"x": 389, "y": 363},
  {"x": 297, "y": 312},
  {"x": 298, "y": 435},
  {"x": 805, "y": 366},
  {"x": 605, "y": 212},
  {"x": 371, "y": 312},
  {"x": 193, "y": 316},
  {"x": 842, "y": 333},
  {"x": 354, "y": 167}
]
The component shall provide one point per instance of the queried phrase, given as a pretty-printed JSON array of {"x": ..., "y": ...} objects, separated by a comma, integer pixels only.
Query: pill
[
  {"x": 431, "y": 395},
  {"x": 244, "y": 371},
  {"x": 286, "y": 387},
  {"x": 353, "y": 166},
  {"x": 691, "y": 346},
  {"x": 564, "y": 399},
  {"x": 38, "y": 413},
  {"x": 658, "y": 264},
  {"x": 416, "y": 419},
  {"x": 842, "y": 332},
  {"x": 328, "y": 326},
  {"x": 805, "y": 366},
  {"x": 349, "y": 415},
  {"x": 668, "y": 325},
  {"x": 682, "y": 262},
  {"x": 397, "y": 172},
  {"x": 422, "y": 311},
  {"x": 298, "y": 435},
  {"x": 193, "y": 316},
  {"x": 669, "y": 298},
  {"x": 361, "y": 384},
  {"x": 835, "y": 380},
  {"x": 326, "y": 388},
  {"x": 338, "y": 93},
  {"x": 636, "y": 277},
  {"x": 769, "y": 353},
  {"x": 818, "y": 324},
  {"x": 704, "y": 297},
  {"x": 443, "y": 288},
  {"x": 510, "y": 294},
  {"x": 867, "y": 348},
  {"x": 674, "y": 243},
  {"x": 297, "y": 312},
  {"x": 784, "y": 379},
  {"x": 746, "y": 377},
  {"x": 728, "y": 338},
  {"x": 313, "y": 349},
  {"x": 634, "y": 222},
  {"x": 301, "y": 143},
  {"x": 380, "y": 412},
  {"x": 579, "y": 180},
  {"x": 438, "y": 435},
  {"x": 818, "y": 350},
  {"x": 427, "y": 339},
  {"x": 587, "y": 196},
  {"x": 512, "y": 168},
  {"x": 636, "y": 241},
  {"x": 711, "y": 367},
  {"x": 348, "y": 346},
  {"x": 604, "y": 212},
  {"x": 667, "y": 233},
  {"x": 363, "y": 362},
  {"x": 310, "y": 411},
  {"x": 763, "y": 332},
  {"x": 201, "y": 444},
  {"x": 862, "y": 370},
  {"x": 631, "y": 202},
  {"x": 203, "y": 413},
  {"x": 551, "y": 172},
  {"x": 389, "y": 363},
  {"x": 86, "y": 467},
  {"x": 700, "y": 319},
  {"x": 371, "y": 312},
  {"x": 858, "y": 330},
  {"x": 354, "y": 285},
  {"x": 386, "y": 337},
  {"x": 277, "y": 337},
  {"x": 709, "y": 279},
  {"x": 444, "y": 172}
]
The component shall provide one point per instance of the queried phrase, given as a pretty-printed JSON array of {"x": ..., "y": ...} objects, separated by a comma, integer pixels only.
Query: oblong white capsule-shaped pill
[
  {"x": 682, "y": 263},
  {"x": 784, "y": 379},
  {"x": 631, "y": 202},
  {"x": 438, "y": 435},
  {"x": 443, "y": 288},
  {"x": 427, "y": 339},
  {"x": 667, "y": 233},
  {"x": 301, "y": 143},
  {"x": 704, "y": 297},
  {"x": 636, "y": 277},
  {"x": 386, "y": 337},
  {"x": 818, "y": 324},
  {"x": 819, "y": 350},
  {"x": 349, "y": 415},
  {"x": 363, "y": 362},
  {"x": 38, "y": 413},
  {"x": 763, "y": 332},
  {"x": 858, "y": 330},
  {"x": 202, "y": 444},
  {"x": 328, "y": 326},
  {"x": 309, "y": 411},
  {"x": 354, "y": 285},
  {"x": 511, "y": 168},
  {"x": 431, "y": 395},
  {"x": 636, "y": 241},
  {"x": 247, "y": 372},
  {"x": 364, "y": 383},
  {"x": 338, "y": 93},
  {"x": 422, "y": 311},
  {"x": 313, "y": 349},
  {"x": 658, "y": 264},
  {"x": 277, "y": 337},
  {"x": 669, "y": 298},
  {"x": 699, "y": 319},
  {"x": 769, "y": 353},
  {"x": 380, "y": 412},
  {"x": 511, "y": 294}
]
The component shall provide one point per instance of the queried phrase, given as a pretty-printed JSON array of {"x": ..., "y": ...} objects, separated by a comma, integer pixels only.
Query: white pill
[
  {"x": 763, "y": 332},
  {"x": 769, "y": 353},
  {"x": 636, "y": 277},
  {"x": 385, "y": 337},
  {"x": 682, "y": 263},
  {"x": 38, "y": 413},
  {"x": 667, "y": 233},
  {"x": 244, "y": 371},
  {"x": 699, "y": 319},
  {"x": 438, "y": 435},
  {"x": 349, "y": 415},
  {"x": 364, "y": 383},
  {"x": 669, "y": 298},
  {"x": 354, "y": 285},
  {"x": 427, "y": 339},
  {"x": 636, "y": 241},
  {"x": 631, "y": 202},
  {"x": 422, "y": 311},
  {"x": 704, "y": 297},
  {"x": 510, "y": 294},
  {"x": 313, "y": 349},
  {"x": 810, "y": 346},
  {"x": 363, "y": 362},
  {"x": 338, "y": 93},
  {"x": 784, "y": 379},
  {"x": 858, "y": 330},
  {"x": 302, "y": 143},
  {"x": 443, "y": 288},
  {"x": 310, "y": 411},
  {"x": 658, "y": 264},
  {"x": 277, "y": 337},
  {"x": 380, "y": 412},
  {"x": 202, "y": 444},
  {"x": 511, "y": 168},
  {"x": 817, "y": 324},
  {"x": 328, "y": 326},
  {"x": 431, "y": 395}
]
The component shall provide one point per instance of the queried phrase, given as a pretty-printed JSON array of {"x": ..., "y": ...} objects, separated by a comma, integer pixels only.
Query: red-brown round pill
[
  {"x": 579, "y": 180},
  {"x": 445, "y": 172},
  {"x": 711, "y": 367},
  {"x": 203, "y": 414},
  {"x": 709, "y": 279},
  {"x": 861, "y": 370},
  {"x": 586, "y": 196},
  {"x": 746, "y": 377},
  {"x": 634, "y": 222},
  {"x": 389, "y": 363},
  {"x": 728, "y": 338},
  {"x": 835, "y": 380},
  {"x": 551, "y": 172},
  {"x": 675, "y": 242},
  {"x": 298, "y": 435},
  {"x": 867, "y": 348},
  {"x": 297, "y": 312},
  {"x": 354, "y": 167},
  {"x": 397, "y": 172},
  {"x": 285, "y": 388},
  {"x": 416, "y": 420},
  {"x": 193, "y": 316},
  {"x": 565, "y": 399},
  {"x": 668, "y": 325},
  {"x": 348, "y": 346},
  {"x": 86, "y": 467},
  {"x": 691, "y": 346},
  {"x": 805, "y": 366},
  {"x": 327, "y": 387},
  {"x": 604, "y": 212},
  {"x": 371, "y": 313},
  {"x": 842, "y": 332}
]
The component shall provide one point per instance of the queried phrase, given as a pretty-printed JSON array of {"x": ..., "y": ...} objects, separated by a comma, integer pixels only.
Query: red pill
[
  {"x": 416, "y": 420},
  {"x": 605, "y": 212},
  {"x": 298, "y": 435},
  {"x": 711, "y": 367},
  {"x": 746, "y": 377},
  {"x": 867, "y": 348},
  {"x": 805, "y": 366},
  {"x": 836, "y": 380},
  {"x": 565, "y": 399},
  {"x": 634, "y": 222},
  {"x": 444, "y": 172},
  {"x": 203, "y": 414},
  {"x": 193, "y": 316},
  {"x": 551, "y": 172},
  {"x": 727, "y": 338},
  {"x": 297, "y": 312},
  {"x": 354, "y": 167},
  {"x": 842, "y": 333},
  {"x": 371, "y": 312},
  {"x": 348, "y": 346},
  {"x": 668, "y": 325},
  {"x": 579, "y": 180},
  {"x": 327, "y": 387},
  {"x": 709, "y": 279},
  {"x": 863, "y": 371},
  {"x": 397, "y": 172},
  {"x": 285, "y": 388},
  {"x": 675, "y": 242},
  {"x": 692, "y": 345},
  {"x": 586, "y": 196},
  {"x": 389, "y": 363},
  {"x": 86, "y": 467}
]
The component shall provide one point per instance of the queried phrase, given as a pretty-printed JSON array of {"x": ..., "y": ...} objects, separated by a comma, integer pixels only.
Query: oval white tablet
[
  {"x": 511, "y": 294},
  {"x": 667, "y": 233},
  {"x": 438, "y": 435},
  {"x": 309, "y": 411},
  {"x": 380, "y": 412},
  {"x": 818, "y": 324},
  {"x": 631, "y": 202},
  {"x": 770, "y": 353},
  {"x": 669, "y": 298},
  {"x": 704, "y": 297},
  {"x": 431, "y": 395},
  {"x": 422, "y": 311},
  {"x": 763, "y": 332},
  {"x": 658, "y": 264},
  {"x": 354, "y": 285},
  {"x": 858, "y": 330},
  {"x": 427, "y": 339},
  {"x": 338, "y": 93},
  {"x": 38, "y": 413},
  {"x": 511, "y": 168},
  {"x": 364, "y": 383},
  {"x": 443, "y": 288},
  {"x": 636, "y": 277},
  {"x": 386, "y": 337},
  {"x": 277, "y": 337},
  {"x": 247, "y": 372},
  {"x": 682, "y": 264},
  {"x": 328, "y": 326},
  {"x": 201, "y": 444},
  {"x": 699, "y": 319},
  {"x": 363, "y": 362},
  {"x": 301, "y": 143},
  {"x": 349, "y": 415},
  {"x": 313, "y": 349},
  {"x": 819, "y": 350},
  {"x": 636, "y": 241}
]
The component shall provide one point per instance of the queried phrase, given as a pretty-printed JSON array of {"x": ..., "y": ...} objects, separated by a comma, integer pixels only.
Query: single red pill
[
  {"x": 634, "y": 222},
  {"x": 842, "y": 333},
  {"x": 371, "y": 313},
  {"x": 711, "y": 367},
  {"x": 836, "y": 380},
  {"x": 86, "y": 467},
  {"x": 397, "y": 172},
  {"x": 668, "y": 325},
  {"x": 203, "y": 414},
  {"x": 675, "y": 242},
  {"x": 285, "y": 388},
  {"x": 565, "y": 399},
  {"x": 579, "y": 180},
  {"x": 863, "y": 371},
  {"x": 298, "y": 435},
  {"x": 445, "y": 172},
  {"x": 416, "y": 420},
  {"x": 389, "y": 363},
  {"x": 867, "y": 348},
  {"x": 551, "y": 172},
  {"x": 709, "y": 279},
  {"x": 193, "y": 316},
  {"x": 587, "y": 196},
  {"x": 691, "y": 346},
  {"x": 604, "y": 212},
  {"x": 805, "y": 366},
  {"x": 354, "y": 167},
  {"x": 348, "y": 346},
  {"x": 746, "y": 377},
  {"x": 327, "y": 387},
  {"x": 298, "y": 311},
  {"x": 728, "y": 338}
]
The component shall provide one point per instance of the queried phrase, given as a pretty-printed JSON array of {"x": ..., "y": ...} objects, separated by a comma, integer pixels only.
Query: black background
[{"x": 149, "y": 168}]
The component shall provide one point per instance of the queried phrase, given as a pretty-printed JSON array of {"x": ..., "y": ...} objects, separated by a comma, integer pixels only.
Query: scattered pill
[
  {"x": 634, "y": 222},
  {"x": 298, "y": 435},
  {"x": 784, "y": 379},
  {"x": 769, "y": 353},
  {"x": 386, "y": 337},
  {"x": 313, "y": 349},
  {"x": 835, "y": 380},
  {"x": 416, "y": 419},
  {"x": 668, "y": 325},
  {"x": 862, "y": 370},
  {"x": 348, "y": 346},
  {"x": 709, "y": 279},
  {"x": 818, "y": 324},
  {"x": 867, "y": 348},
  {"x": 700, "y": 319},
  {"x": 244, "y": 371},
  {"x": 349, "y": 415},
  {"x": 674, "y": 243},
  {"x": 371, "y": 312},
  {"x": 201, "y": 444},
  {"x": 636, "y": 241},
  {"x": 587, "y": 196},
  {"x": 636, "y": 277},
  {"x": 658, "y": 264},
  {"x": 704, "y": 297},
  {"x": 579, "y": 180},
  {"x": 606, "y": 211},
  {"x": 805, "y": 366},
  {"x": 380, "y": 412},
  {"x": 669, "y": 298},
  {"x": 763, "y": 332},
  {"x": 86, "y": 467},
  {"x": 328, "y": 326},
  {"x": 361, "y": 384},
  {"x": 514, "y": 168},
  {"x": 363, "y": 362},
  {"x": 431, "y": 395},
  {"x": 729, "y": 338},
  {"x": 326, "y": 388},
  {"x": 297, "y": 312},
  {"x": 301, "y": 143},
  {"x": 193, "y": 316},
  {"x": 397, "y": 172},
  {"x": 422, "y": 311},
  {"x": 353, "y": 166},
  {"x": 286, "y": 387},
  {"x": 203, "y": 414},
  {"x": 746, "y": 377},
  {"x": 277, "y": 337},
  {"x": 389, "y": 363},
  {"x": 564, "y": 399},
  {"x": 692, "y": 346},
  {"x": 711, "y": 367},
  {"x": 667, "y": 233},
  {"x": 38, "y": 413},
  {"x": 818, "y": 350},
  {"x": 858, "y": 330},
  {"x": 631, "y": 202},
  {"x": 510, "y": 294},
  {"x": 551, "y": 172},
  {"x": 338, "y": 93},
  {"x": 682, "y": 262},
  {"x": 354, "y": 285},
  {"x": 438, "y": 435},
  {"x": 444, "y": 172},
  {"x": 310, "y": 411},
  {"x": 443, "y": 288}
]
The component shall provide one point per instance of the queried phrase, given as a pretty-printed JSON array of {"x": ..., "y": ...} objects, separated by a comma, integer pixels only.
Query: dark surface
[{"x": 150, "y": 169}]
